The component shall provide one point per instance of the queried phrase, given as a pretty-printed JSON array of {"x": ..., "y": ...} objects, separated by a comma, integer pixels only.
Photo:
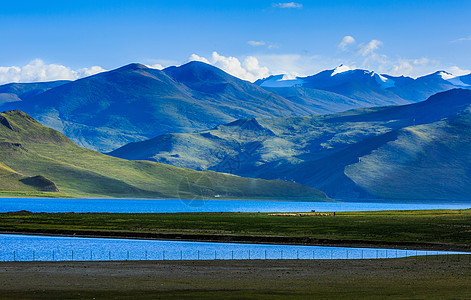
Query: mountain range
[
  {"x": 36, "y": 158},
  {"x": 413, "y": 151},
  {"x": 133, "y": 103},
  {"x": 343, "y": 88}
]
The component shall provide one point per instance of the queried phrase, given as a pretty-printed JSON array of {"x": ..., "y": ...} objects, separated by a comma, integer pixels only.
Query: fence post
[
  {"x": 313, "y": 255},
  {"x": 34, "y": 258},
  {"x": 232, "y": 254},
  {"x": 198, "y": 254},
  {"x": 146, "y": 254},
  {"x": 72, "y": 255},
  {"x": 163, "y": 255},
  {"x": 14, "y": 255},
  {"x": 214, "y": 254},
  {"x": 265, "y": 254},
  {"x": 127, "y": 255},
  {"x": 331, "y": 253},
  {"x": 297, "y": 254},
  {"x": 109, "y": 255},
  {"x": 91, "y": 255},
  {"x": 361, "y": 253},
  {"x": 281, "y": 254},
  {"x": 52, "y": 255},
  {"x": 249, "y": 254},
  {"x": 181, "y": 254},
  {"x": 376, "y": 254}
]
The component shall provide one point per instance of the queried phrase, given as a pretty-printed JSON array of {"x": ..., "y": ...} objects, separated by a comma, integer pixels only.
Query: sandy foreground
[{"x": 412, "y": 278}]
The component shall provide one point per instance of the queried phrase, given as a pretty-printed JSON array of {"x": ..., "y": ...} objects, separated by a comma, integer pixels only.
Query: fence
[{"x": 123, "y": 255}]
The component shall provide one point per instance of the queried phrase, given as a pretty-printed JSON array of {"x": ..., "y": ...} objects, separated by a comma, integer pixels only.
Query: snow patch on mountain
[
  {"x": 278, "y": 81},
  {"x": 445, "y": 75},
  {"x": 340, "y": 69},
  {"x": 455, "y": 80}
]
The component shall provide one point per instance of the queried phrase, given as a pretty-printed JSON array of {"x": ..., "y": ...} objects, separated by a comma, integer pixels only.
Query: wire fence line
[{"x": 255, "y": 254}]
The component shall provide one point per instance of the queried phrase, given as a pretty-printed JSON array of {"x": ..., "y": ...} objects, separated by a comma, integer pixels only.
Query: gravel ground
[{"x": 412, "y": 278}]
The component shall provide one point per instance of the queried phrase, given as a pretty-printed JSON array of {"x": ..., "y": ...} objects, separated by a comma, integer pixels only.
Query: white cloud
[
  {"x": 156, "y": 66},
  {"x": 345, "y": 42},
  {"x": 462, "y": 39},
  {"x": 369, "y": 48},
  {"x": 256, "y": 43},
  {"x": 37, "y": 70},
  {"x": 458, "y": 71},
  {"x": 195, "y": 57},
  {"x": 288, "y": 5},
  {"x": 85, "y": 72},
  {"x": 249, "y": 69},
  {"x": 294, "y": 65}
]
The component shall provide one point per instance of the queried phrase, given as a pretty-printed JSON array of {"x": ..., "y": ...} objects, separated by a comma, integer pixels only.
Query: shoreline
[{"x": 249, "y": 239}]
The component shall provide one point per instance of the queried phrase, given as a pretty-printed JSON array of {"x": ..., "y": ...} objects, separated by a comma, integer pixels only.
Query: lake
[
  {"x": 52, "y": 248},
  {"x": 178, "y": 206}
]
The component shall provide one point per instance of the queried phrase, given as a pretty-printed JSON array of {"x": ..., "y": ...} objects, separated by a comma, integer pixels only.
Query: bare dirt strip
[{"x": 438, "y": 277}]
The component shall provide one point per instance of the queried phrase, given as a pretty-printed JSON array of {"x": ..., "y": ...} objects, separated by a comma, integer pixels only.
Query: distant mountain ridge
[
  {"x": 415, "y": 151},
  {"x": 361, "y": 88},
  {"x": 13, "y": 92},
  {"x": 135, "y": 103}
]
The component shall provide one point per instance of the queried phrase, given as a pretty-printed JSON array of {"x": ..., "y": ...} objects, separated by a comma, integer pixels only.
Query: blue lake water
[
  {"x": 176, "y": 206},
  {"x": 48, "y": 248}
]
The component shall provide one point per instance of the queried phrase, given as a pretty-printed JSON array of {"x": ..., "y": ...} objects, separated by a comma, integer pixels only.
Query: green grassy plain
[{"x": 450, "y": 227}]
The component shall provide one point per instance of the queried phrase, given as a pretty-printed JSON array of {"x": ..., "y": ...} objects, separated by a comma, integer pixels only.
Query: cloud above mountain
[
  {"x": 249, "y": 69},
  {"x": 37, "y": 70},
  {"x": 369, "y": 48},
  {"x": 346, "y": 42}
]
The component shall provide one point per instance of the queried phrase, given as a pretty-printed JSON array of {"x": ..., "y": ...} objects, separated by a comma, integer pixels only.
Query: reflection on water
[{"x": 47, "y": 248}]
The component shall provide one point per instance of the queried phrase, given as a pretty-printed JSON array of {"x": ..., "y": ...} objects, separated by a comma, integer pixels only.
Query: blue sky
[{"x": 45, "y": 40}]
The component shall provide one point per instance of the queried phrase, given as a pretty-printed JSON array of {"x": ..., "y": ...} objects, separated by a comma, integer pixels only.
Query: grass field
[
  {"x": 34, "y": 194},
  {"x": 451, "y": 227}
]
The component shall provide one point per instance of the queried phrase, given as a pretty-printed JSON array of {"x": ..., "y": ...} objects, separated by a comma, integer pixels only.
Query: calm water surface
[
  {"x": 176, "y": 206},
  {"x": 48, "y": 248}
]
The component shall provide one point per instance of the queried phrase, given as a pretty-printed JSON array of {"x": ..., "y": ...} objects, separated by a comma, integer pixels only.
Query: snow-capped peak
[
  {"x": 340, "y": 69},
  {"x": 445, "y": 75},
  {"x": 455, "y": 80}
]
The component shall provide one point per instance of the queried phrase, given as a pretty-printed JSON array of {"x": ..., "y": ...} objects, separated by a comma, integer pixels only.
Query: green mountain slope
[
  {"x": 427, "y": 161},
  {"x": 346, "y": 155},
  {"x": 28, "y": 149}
]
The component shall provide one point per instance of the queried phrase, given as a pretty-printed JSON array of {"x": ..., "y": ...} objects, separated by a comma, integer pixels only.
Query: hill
[
  {"x": 35, "y": 157},
  {"x": 347, "y": 155}
]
